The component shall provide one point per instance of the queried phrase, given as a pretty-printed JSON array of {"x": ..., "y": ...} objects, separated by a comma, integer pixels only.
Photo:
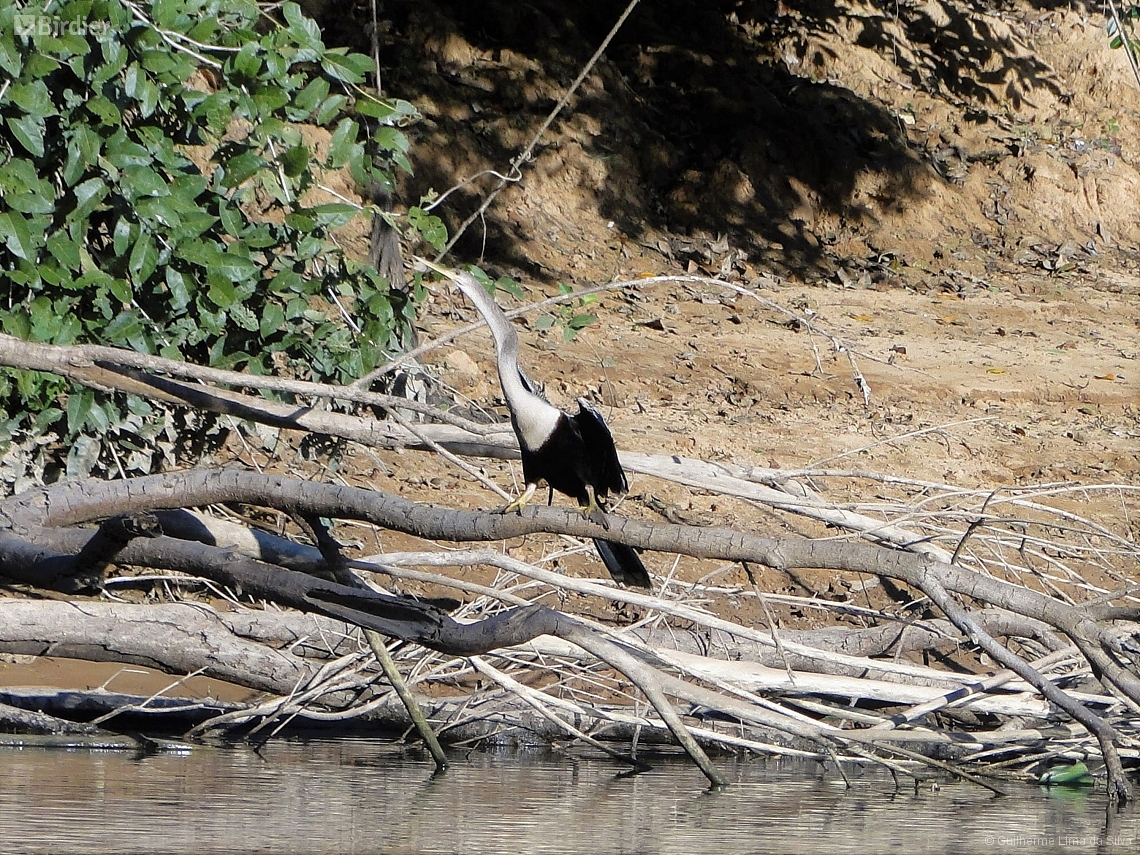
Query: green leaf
[
  {"x": 505, "y": 283},
  {"x": 377, "y": 109},
  {"x": 123, "y": 235},
  {"x": 213, "y": 323},
  {"x": 166, "y": 12},
  {"x": 295, "y": 160},
  {"x": 578, "y": 322},
  {"x": 73, "y": 167},
  {"x": 131, "y": 80},
  {"x": 428, "y": 225},
  {"x": 308, "y": 98},
  {"x": 74, "y": 50},
  {"x": 270, "y": 98},
  {"x": 84, "y": 146},
  {"x": 287, "y": 280},
  {"x": 158, "y": 210},
  {"x": 70, "y": 329},
  {"x": 246, "y": 62},
  {"x": 391, "y": 139},
  {"x": 114, "y": 58},
  {"x": 64, "y": 249},
  {"x": 161, "y": 63},
  {"x": 45, "y": 319},
  {"x": 19, "y": 174},
  {"x": 45, "y": 419},
  {"x": 143, "y": 260},
  {"x": 179, "y": 293},
  {"x": 344, "y": 66},
  {"x": 42, "y": 63},
  {"x": 232, "y": 220},
  {"x": 32, "y": 203},
  {"x": 10, "y": 60},
  {"x": 260, "y": 236},
  {"x": 147, "y": 97},
  {"x": 143, "y": 181},
  {"x": 333, "y": 215},
  {"x": 342, "y": 142},
  {"x": 330, "y": 109},
  {"x": 240, "y": 168},
  {"x": 16, "y": 324},
  {"x": 303, "y": 29},
  {"x": 243, "y": 317},
  {"x": 302, "y": 221},
  {"x": 272, "y": 320},
  {"x": 401, "y": 160},
  {"x": 233, "y": 267},
  {"x": 1075, "y": 775},
  {"x": 29, "y": 132},
  {"x": 104, "y": 110},
  {"x": 88, "y": 195},
  {"x": 123, "y": 152},
  {"x": 221, "y": 292},
  {"x": 121, "y": 290},
  {"x": 78, "y": 406},
  {"x": 17, "y": 236},
  {"x": 33, "y": 98},
  {"x": 98, "y": 418},
  {"x": 123, "y": 326}
]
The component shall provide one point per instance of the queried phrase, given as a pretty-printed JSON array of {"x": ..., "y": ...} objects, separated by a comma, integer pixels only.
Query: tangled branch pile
[{"x": 1028, "y": 609}]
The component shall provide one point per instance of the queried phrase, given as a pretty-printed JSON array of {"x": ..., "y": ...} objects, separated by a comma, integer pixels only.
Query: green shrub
[{"x": 154, "y": 194}]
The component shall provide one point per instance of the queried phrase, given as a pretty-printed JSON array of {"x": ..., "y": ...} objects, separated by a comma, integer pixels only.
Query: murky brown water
[{"x": 360, "y": 796}]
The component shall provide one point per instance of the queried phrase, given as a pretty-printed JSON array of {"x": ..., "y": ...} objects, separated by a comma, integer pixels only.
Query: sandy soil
[{"x": 996, "y": 269}]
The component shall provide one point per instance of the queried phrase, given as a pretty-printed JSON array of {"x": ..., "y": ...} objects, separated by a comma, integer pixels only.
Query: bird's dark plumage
[
  {"x": 580, "y": 453},
  {"x": 575, "y": 454},
  {"x": 623, "y": 562}
]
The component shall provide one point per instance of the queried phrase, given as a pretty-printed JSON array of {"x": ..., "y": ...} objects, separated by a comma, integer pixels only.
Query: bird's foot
[
  {"x": 518, "y": 504},
  {"x": 594, "y": 511}
]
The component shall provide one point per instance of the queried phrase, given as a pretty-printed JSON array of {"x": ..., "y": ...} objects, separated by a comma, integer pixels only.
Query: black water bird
[{"x": 574, "y": 454}]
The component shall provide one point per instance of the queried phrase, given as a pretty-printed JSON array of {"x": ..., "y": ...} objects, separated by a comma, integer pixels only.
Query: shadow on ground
[{"x": 712, "y": 118}]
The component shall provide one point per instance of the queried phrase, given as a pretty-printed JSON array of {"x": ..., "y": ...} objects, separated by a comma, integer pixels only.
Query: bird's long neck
[{"x": 534, "y": 417}]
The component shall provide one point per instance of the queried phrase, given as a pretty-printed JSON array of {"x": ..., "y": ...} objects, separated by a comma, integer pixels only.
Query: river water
[{"x": 364, "y": 796}]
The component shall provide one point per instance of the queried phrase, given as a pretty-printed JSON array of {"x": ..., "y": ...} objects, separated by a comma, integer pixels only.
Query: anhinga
[{"x": 575, "y": 454}]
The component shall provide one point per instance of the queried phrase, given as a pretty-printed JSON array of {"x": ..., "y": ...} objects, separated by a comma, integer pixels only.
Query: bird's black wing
[{"x": 610, "y": 477}]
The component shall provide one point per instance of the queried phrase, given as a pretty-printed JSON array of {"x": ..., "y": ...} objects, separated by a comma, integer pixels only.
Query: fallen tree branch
[
  {"x": 70, "y": 504},
  {"x": 39, "y": 537}
]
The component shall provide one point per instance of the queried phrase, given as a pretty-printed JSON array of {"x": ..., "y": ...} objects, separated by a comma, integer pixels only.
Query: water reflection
[{"x": 360, "y": 796}]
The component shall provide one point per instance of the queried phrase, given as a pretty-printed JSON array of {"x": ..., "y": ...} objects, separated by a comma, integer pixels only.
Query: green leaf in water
[{"x": 1077, "y": 775}]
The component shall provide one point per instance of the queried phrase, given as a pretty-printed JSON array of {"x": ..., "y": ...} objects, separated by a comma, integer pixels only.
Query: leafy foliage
[
  {"x": 1129, "y": 15},
  {"x": 570, "y": 316},
  {"x": 156, "y": 165}
]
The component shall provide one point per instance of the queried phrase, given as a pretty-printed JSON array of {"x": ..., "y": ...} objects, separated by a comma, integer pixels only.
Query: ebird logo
[{"x": 53, "y": 25}]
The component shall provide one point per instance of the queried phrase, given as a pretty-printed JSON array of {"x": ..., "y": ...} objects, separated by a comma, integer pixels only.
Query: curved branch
[{"x": 70, "y": 504}]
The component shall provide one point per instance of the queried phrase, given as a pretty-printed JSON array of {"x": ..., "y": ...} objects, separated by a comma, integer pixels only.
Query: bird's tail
[{"x": 624, "y": 563}]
